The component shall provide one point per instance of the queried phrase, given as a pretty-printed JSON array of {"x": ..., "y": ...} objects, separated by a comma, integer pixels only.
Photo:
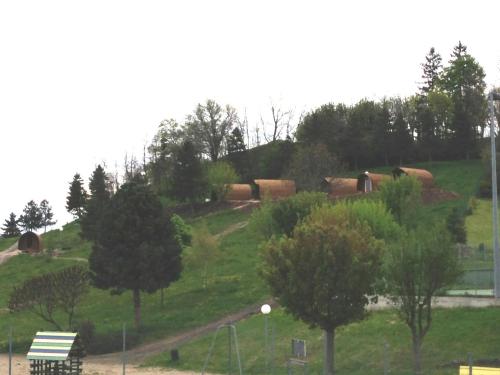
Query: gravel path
[{"x": 9, "y": 253}]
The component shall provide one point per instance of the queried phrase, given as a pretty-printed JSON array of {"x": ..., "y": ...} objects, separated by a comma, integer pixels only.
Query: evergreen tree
[
  {"x": 431, "y": 70},
  {"x": 95, "y": 204},
  {"x": 47, "y": 215},
  {"x": 77, "y": 197},
  {"x": 10, "y": 228},
  {"x": 235, "y": 142},
  {"x": 137, "y": 247},
  {"x": 401, "y": 138},
  {"x": 455, "y": 222},
  {"x": 189, "y": 177},
  {"x": 32, "y": 217}
]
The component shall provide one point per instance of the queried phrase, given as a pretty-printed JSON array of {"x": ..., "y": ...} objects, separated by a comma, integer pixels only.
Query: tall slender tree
[
  {"x": 10, "y": 228},
  {"x": 189, "y": 176},
  {"x": 32, "y": 217},
  {"x": 47, "y": 215},
  {"x": 432, "y": 68},
  {"x": 77, "y": 197},
  {"x": 99, "y": 197}
]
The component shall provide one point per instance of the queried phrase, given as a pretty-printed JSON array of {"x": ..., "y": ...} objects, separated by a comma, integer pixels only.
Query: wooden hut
[
  {"x": 30, "y": 242},
  {"x": 340, "y": 187},
  {"x": 275, "y": 189},
  {"x": 368, "y": 182},
  {"x": 56, "y": 353},
  {"x": 239, "y": 192},
  {"x": 424, "y": 176}
]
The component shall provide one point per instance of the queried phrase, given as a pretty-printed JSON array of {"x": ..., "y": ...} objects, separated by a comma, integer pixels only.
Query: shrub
[
  {"x": 220, "y": 174},
  {"x": 402, "y": 197}
]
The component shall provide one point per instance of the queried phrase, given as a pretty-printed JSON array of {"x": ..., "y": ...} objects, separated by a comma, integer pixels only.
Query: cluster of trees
[
  {"x": 35, "y": 216},
  {"x": 323, "y": 260}
]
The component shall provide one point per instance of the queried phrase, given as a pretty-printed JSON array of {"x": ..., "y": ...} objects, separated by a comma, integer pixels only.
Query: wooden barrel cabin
[
  {"x": 368, "y": 182},
  {"x": 30, "y": 242},
  {"x": 239, "y": 192},
  {"x": 424, "y": 176},
  {"x": 340, "y": 187},
  {"x": 275, "y": 189}
]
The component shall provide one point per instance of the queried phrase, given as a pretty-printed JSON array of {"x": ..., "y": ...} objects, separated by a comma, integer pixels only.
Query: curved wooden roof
[
  {"x": 376, "y": 179},
  {"x": 30, "y": 242},
  {"x": 275, "y": 188},
  {"x": 339, "y": 187},
  {"x": 424, "y": 176},
  {"x": 239, "y": 192}
]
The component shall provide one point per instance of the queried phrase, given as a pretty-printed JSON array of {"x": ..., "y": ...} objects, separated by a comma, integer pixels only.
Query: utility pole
[{"x": 496, "y": 251}]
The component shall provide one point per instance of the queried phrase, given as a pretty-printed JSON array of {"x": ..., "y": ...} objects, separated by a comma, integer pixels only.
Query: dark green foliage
[
  {"x": 423, "y": 262},
  {"x": 280, "y": 217},
  {"x": 47, "y": 215},
  {"x": 183, "y": 231},
  {"x": 44, "y": 295},
  {"x": 190, "y": 181},
  {"x": 431, "y": 70},
  {"x": 99, "y": 197},
  {"x": 77, "y": 197},
  {"x": 403, "y": 197},
  {"x": 136, "y": 247},
  {"x": 32, "y": 217},
  {"x": 10, "y": 228},
  {"x": 455, "y": 222},
  {"x": 235, "y": 142}
]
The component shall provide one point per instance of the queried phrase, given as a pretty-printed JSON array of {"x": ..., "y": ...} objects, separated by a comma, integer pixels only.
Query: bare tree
[{"x": 280, "y": 120}]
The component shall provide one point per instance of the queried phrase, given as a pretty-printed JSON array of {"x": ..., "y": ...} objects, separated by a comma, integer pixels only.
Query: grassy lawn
[
  {"x": 5, "y": 243},
  {"x": 359, "y": 347},
  {"x": 233, "y": 284}
]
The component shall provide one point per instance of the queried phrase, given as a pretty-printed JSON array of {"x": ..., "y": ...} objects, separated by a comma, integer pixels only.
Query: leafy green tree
[
  {"x": 46, "y": 294},
  {"x": 77, "y": 197},
  {"x": 463, "y": 79},
  {"x": 423, "y": 262},
  {"x": 209, "y": 126},
  {"x": 432, "y": 68},
  {"x": 220, "y": 175},
  {"x": 324, "y": 272},
  {"x": 10, "y": 228},
  {"x": 403, "y": 197},
  {"x": 32, "y": 217},
  {"x": 204, "y": 250},
  {"x": 401, "y": 139},
  {"x": 99, "y": 197},
  {"x": 235, "y": 142},
  {"x": 190, "y": 182},
  {"x": 455, "y": 223},
  {"x": 310, "y": 164},
  {"x": 137, "y": 247},
  {"x": 47, "y": 215}
]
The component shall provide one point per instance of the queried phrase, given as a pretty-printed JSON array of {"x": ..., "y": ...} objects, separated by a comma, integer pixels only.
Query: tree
[
  {"x": 47, "y": 215},
  {"x": 431, "y": 70},
  {"x": 32, "y": 217},
  {"x": 77, "y": 197},
  {"x": 455, "y": 223},
  {"x": 220, "y": 175},
  {"x": 423, "y": 262},
  {"x": 280, "y": 120},
  {"x": 205, "y": 249},
  {"x": 99, "y": 197},
  {"x": 188, "y": 175},
  {"x": 310, "y": 164},
  {"x": 209, "y": 126},
  {"x": 324, "y": 272},
  {"x": 235, "y": 142},
  {"x": 136, "y": 247},
  {"x": 401, "y": 139},
  {"x": 403, "y": 198},
  {"x": 10, "y": 228},
  {"x": 44, "y": 295}
]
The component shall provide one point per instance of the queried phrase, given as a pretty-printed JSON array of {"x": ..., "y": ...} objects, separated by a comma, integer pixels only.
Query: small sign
[
  {"x": 464, "y": 370},
  {"x": 299, "y": 348}
]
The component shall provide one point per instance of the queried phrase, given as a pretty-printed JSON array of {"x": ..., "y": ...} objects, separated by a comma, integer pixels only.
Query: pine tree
[
  {"x": 431, "y": 69},
  {"x": 10, "y": 228},
  {"x": 455, "y": 222},
  {"x": 235, "y": 142},
  {"x": 77, "y": 197},
  {"x": 32, "y": 217},
  {"x": 98, "y": 199},
  {"x": 188, "y": 175},
  {"x": 47, "y": 215}
]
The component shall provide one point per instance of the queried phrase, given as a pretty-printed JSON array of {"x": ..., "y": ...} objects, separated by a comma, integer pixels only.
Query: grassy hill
[{"x": 234, "y": 283}]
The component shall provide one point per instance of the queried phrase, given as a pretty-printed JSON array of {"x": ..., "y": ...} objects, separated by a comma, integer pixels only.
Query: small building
[
  {"x": 424, "y": 176},
  {"x": 368, "y": 182},
  {"x": 30, "y": 242},
  {"x": 239, "y": 192},
  {"x": 275, "y": 189},
  {"x": 56, "y": 353},
  {"x": 340, "y": 187}
]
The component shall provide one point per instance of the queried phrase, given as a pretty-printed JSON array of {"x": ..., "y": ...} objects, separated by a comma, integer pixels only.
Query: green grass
[
  {"x": 217, "y": 222},
  {"x": 5, "y": 243},
  {"x": 359, "y": 346},
  {"x": 233, "y": 284}
]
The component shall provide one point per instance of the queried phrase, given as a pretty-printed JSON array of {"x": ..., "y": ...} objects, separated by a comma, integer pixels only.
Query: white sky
[{"x": 85, "y": 82}]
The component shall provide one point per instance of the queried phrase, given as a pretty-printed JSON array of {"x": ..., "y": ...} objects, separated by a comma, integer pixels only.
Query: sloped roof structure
[
  {"x": 339, "y": 187},
  {"x": 239, "y": 192},
  {"x": 424, "y": 176},
  {"x": 30, "y": 242},
  {"x": 375, "y": 178},
  {"x": 51, "y": 346},
  {"x": 275, "y": 189}
]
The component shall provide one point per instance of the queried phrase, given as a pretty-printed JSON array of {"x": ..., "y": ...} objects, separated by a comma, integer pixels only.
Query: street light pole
[
  {"x": 266, "y": 309},
  {"x": 496, "y": 248}
]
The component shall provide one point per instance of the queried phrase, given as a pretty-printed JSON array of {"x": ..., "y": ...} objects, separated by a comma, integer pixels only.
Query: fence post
[
  {"x": 124, "y": 355},
  {"x": 469, "y": 362},
  {"x": 386, "y": 364},
  {"x": 10, "y": 350}
]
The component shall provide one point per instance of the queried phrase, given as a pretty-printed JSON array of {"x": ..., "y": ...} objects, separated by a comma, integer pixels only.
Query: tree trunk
[
  {"x": 137, "y": 308},
  {"x": 329, "y": 365},
  {"x": 417, "y": 355}
]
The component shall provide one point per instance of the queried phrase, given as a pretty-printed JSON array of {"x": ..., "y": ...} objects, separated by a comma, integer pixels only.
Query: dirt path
[
  {"x": 9, "y": 253},
  {"x": 232, "y": 228}
]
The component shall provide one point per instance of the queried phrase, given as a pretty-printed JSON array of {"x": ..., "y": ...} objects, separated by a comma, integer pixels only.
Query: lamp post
[
  {"x": 266, "y": 309},
  {"x": 496, "y": 251}
]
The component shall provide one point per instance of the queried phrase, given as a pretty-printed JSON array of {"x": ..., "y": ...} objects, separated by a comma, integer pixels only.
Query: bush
[
  {"x": 86, "y": 330},
  {"x": 280, "y": 217},
  {"x": 455, "y": 222},
  {"x": 402, "y": 197},
  {"x": 220, "y": 174},
  {"x": 112, "y": 342}
]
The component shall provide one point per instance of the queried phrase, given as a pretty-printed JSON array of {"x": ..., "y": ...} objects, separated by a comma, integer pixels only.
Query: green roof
[{"x": 51, "y": 346}]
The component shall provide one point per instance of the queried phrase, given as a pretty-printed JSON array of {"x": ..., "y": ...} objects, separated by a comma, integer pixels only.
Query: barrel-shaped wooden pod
[
  {"x": 275, "y": 189},
  {"x": 424, "y": 176},
  {"x": 368, "y": 182},
  {"x": 239, "y": 192},
  {"x": 30, "y": 242},
  {"x": 340, "y": 187}
]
